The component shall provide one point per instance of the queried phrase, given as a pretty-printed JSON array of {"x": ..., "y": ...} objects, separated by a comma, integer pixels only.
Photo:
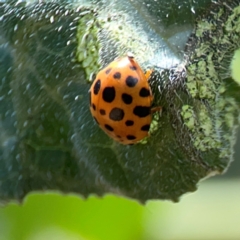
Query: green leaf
[{"x": 49, "y": 141}]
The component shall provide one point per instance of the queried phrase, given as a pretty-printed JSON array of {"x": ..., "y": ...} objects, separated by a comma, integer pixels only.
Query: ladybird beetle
[{"x": 121, "y": 99}]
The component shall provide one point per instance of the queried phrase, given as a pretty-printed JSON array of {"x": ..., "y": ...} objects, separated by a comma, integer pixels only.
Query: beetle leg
[
  {"x": 156, "y": 109},
  {"x": 148, "y": 73}
]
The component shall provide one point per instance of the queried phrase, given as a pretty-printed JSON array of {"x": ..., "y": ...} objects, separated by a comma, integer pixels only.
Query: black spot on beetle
[
  {"x": 129, "y": 123},
  {"x": 108, "y": 127},
  {"x": 127, "y": 99},
  {"x": 134, "y": 68},
  {"x": 94, "y": 107},
  {"x": 108, "y": 70},
  {"x": 131, "y": 81},
  {"x": 102, "y": 112},
  {"x": 117, "y": 75},
  {"x": 144, "y": 92},
  {"x": 97, "y": 87},
  {"x": 116, "y": 114},
  {"x": 131, "y": 137},
  {"x": 141, "y": 111},
  {"x": 108, "y": 94},
  {"x": 145, "y": 127}
]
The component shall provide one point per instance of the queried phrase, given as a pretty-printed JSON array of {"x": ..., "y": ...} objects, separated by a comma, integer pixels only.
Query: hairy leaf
[{"x": 50, "y": 52}]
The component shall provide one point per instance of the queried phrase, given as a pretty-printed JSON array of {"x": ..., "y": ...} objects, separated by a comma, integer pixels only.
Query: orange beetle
[{"x": 121, "y": 99}]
